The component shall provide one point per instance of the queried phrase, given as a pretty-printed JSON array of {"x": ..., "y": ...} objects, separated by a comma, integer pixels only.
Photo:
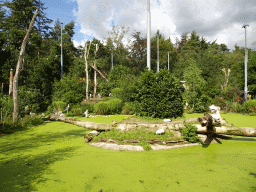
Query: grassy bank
[
  {"x": 104, "y": 119},
  {"x": 53, "y": 157}
]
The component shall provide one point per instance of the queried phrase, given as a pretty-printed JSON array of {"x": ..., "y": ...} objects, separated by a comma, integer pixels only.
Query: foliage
[
  {"x": 129, "y": 108},
  {"x": 69, "y": 89},
  {"x": 30, "y": 100},
  {"x": 158, "y": 95},
  {"x": 104, "y": 88},
  {"x": 116, "y": 93},
  {"x": 58, "y": 106},
  {"x": 6, "y": 105},
  {"x": 7, "y": 125},
  {"x": 233, "y": 94},
  {"x": 77, "y": 111},
  {"x": 117, "y": 74},
  {"x": 146, "y": 146},
  {"x": 189, "y": 133},
  {"x": 194, "y": 87},
  {"x": 113, "y": 106}
]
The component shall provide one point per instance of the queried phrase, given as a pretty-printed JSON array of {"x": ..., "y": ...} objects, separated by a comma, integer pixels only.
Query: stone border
[{"x": 116, "y": 147}]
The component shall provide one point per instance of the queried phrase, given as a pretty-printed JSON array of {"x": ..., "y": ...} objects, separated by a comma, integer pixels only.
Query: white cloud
[
  {"x": 212, "y": 19},
  {"x": 78, "y": 43}
]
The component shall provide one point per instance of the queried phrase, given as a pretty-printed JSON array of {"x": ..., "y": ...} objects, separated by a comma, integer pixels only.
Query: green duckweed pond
[{"x": 54, "y": 157}]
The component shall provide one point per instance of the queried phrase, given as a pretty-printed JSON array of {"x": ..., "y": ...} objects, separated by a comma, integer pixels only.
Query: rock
[
  {"x": 159, "y": 131},
  {"x": 59, "y": 112},
  {"x": 95, "y": 133},
  {"x": 62, "y": 115},
  {"x": 167, "y": 120},
  {"x": 90, "y": 136}
]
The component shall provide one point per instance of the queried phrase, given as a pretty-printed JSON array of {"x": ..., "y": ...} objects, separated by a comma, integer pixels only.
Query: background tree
[
  {"x": 194, "y": 86},
  {"x": 16, "y": 76}
]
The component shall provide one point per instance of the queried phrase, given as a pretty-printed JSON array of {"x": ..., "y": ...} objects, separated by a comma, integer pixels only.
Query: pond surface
[{"x": 54, "y": 157}]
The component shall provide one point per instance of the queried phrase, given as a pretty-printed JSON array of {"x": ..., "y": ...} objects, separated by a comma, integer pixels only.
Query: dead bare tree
[
  {"x": 86, "y": 55},
  {"x": 227, "y": 74},
  {"x": 95, "y": 72},
  {"x": 16, "y": 76}
]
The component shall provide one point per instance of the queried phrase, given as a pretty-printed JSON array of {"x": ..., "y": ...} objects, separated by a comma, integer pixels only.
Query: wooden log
[{"x": 240, "y": 131}]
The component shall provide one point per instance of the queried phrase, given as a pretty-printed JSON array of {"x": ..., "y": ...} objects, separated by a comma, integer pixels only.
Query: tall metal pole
[
  {"x": 168, "y": 59},
  {"x": 149, "y": 38},
  {"x": 61, "y": 57},
  {"x": 157, "y": 53},
  {"x": 112, "y": 59},
  {"x": 245, "y": 65}
]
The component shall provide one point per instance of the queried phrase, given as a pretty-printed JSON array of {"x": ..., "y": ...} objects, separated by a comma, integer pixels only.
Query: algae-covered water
[{"x": 54, "y": 157}]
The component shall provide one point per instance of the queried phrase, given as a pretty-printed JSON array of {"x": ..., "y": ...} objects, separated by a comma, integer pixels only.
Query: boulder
[{"x": 90, "y": 136}]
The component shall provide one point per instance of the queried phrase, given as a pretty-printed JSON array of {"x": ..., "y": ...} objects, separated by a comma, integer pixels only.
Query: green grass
[
  {"x": 104, "y": 119},
  {"x": 137, "y": 134},
  {"x": 185, "y": 116},
  {"x": 239, "y": 120},
  {"x": 54, "y": 157}
]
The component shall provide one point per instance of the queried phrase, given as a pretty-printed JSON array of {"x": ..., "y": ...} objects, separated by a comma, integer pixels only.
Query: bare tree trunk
[
  {"x": 16, "y": 76},
  {"x": 86, "y": 55},
  {"x": 95, "y": 73},
  {"x": 95, "y": 82},
  {"x": 11, "y": 82}
]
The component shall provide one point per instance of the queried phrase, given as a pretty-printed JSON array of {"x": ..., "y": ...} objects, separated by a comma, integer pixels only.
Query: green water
[
  {"x": 53, "y": 157},
  {"x": 239, "y": 120}
]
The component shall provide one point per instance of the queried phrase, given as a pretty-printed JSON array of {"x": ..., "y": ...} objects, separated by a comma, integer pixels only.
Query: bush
[
  {"x": 249, "y": 106},
  {"x": 159, "y": 95},
  {"x": 219, "y": 101},
  {"x": 29, "y": 121},
  {"x": 234, "y": 95},
  {"x": 116, "y": 93},
  {"x": 146, "y": 146},
  {"x": 6, "y": 105},
  {"x": 117, "y": 74},
  {"x": 129, "y": 108},
  {"x": 77, "y": 111},
  {"x": 89, "y": 107},
  {"x": 104, "y": 88},
  {"x": 189, "y": 133},
  {"x": 29, "y": 100},
  {"x": 7, "y": 126},
  {"x": 58, "y": 106},
  {"x": 70, "y": 89},
  {"x": 111, "y": 107}
]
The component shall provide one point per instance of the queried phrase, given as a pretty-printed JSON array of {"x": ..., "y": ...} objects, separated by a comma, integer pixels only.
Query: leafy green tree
[
  {"x": 194, "y": 86},
  {"x": 70, "y": 89},
  {"x": 164, "y": 46},
  {"x": 251, "y": 70},
  {"x": 117, "y": 75},
  {"x": 138, "y": 53},
  {"x": 158, "y": 95}
]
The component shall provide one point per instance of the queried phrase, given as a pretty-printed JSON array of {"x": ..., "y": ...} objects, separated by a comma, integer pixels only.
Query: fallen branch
[{"x": 98, "y": 72}]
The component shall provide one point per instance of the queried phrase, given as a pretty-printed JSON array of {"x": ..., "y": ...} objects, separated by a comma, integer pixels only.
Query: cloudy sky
[{"x": 212, "y": 19}]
